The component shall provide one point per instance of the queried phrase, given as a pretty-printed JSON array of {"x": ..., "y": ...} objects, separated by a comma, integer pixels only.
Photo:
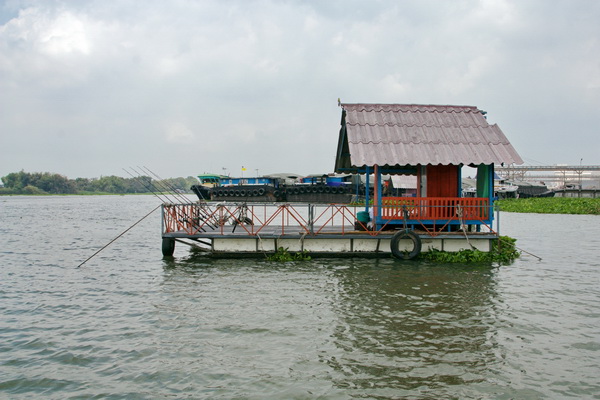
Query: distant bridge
[{"x": 560, "y": 174}]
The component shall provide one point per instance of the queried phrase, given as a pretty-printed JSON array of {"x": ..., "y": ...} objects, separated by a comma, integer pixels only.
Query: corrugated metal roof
[{"x": 410, "y": 134}]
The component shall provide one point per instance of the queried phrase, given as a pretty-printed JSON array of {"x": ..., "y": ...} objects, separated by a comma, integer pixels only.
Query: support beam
[{"x": 367, "y": 173}]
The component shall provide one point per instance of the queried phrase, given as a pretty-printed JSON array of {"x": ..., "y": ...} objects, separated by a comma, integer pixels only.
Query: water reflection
[
  {"x": 413, "y": 326},
  {"x": 375, "y": 328}
]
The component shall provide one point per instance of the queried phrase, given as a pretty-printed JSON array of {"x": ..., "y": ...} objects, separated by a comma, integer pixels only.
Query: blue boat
[{"x": 275, "y": 188}]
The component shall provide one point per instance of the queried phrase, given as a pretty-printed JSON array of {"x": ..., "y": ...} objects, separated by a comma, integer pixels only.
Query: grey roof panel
[{"x": 408, "y": 134}]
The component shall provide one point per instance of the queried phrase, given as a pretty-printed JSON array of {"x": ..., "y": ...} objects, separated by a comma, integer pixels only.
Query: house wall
[{"x": 442, "y": 180}]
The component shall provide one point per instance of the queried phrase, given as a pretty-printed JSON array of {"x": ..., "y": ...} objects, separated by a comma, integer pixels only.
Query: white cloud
[
  {"x": 502, "y": 13},
  {"x": 178, "y": 133},
  {"x": 260, "y": 80}
]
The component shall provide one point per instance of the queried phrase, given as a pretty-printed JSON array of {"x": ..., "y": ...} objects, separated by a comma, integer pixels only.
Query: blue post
[
  {"x": 367, "y": 189},
  {"x": 491, "y": 210},
  {"x": 460, "y": 180},
  {"x": 379, "y": 220}
]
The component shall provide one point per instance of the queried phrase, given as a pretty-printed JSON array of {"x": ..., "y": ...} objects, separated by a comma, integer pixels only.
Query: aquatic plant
[
  {"x": 283, "y": 255},
  {"x": 503, "y": 251},
  {"x": 550, "y": 205}
]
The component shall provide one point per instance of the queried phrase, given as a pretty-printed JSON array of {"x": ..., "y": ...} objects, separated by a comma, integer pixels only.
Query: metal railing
[{"x": 432, "y": 215}]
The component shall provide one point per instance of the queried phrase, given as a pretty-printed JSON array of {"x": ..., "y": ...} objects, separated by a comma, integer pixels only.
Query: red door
[{"x": 442, "y": 181}]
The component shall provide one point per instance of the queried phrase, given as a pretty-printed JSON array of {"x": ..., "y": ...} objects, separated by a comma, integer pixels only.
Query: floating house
[{"x": 431, "y": 143}]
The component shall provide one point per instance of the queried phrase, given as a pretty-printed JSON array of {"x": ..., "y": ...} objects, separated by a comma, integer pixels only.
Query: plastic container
[{"x": 363, "y": 216}]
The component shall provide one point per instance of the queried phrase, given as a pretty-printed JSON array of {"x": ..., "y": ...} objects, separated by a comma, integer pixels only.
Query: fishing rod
[
  {"x": 156, "y": 187},
  {"x": 121, "y": 234},
  {"x": 167, "y": 185},
  {"x": 148, "y": 187},
  {"x": 156, "y": 190},
  {"x": 207, "y": 217}
]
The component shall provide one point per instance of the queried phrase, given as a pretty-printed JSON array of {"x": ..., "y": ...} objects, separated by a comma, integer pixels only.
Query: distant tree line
[{"x": 49, "y": 183}]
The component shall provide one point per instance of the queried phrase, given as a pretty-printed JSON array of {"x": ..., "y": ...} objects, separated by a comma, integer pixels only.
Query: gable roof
[{"x": 397, "y": 135}]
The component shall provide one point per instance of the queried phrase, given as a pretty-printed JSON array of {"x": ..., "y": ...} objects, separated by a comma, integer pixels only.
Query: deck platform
[
  {"x": 240, "y": 229},
  {"x": 334, "y": 241}
]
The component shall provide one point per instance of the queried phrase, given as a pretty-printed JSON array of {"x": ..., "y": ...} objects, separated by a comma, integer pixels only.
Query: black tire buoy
[
  {"x": 395, "y": 242},
  {"x": 168, "y": 247}
]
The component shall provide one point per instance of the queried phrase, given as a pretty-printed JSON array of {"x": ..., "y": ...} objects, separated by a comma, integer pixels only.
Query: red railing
[{"x": 435, "y": 208}]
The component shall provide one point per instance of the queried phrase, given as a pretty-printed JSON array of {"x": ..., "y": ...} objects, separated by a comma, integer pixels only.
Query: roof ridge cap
[
  {"x": 390, "y": 105},
  {"x": 410, "y": 125}
]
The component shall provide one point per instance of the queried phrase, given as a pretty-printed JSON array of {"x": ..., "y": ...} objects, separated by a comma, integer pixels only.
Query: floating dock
[
  {"x": 429, "y": 142},
  {"x": 336, "y": 230}
]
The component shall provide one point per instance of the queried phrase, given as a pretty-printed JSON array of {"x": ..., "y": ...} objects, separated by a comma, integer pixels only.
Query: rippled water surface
[{"x": 128, "y": 324}]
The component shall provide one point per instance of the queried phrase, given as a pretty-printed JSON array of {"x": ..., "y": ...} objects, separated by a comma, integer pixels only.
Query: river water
[{"x": 129, "y": 324}]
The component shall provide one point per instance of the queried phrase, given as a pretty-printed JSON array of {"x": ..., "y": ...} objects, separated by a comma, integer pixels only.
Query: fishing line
[{"x": 122, "y": 233}]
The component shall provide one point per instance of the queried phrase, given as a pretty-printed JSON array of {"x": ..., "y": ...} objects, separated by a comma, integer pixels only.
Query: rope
[
  {"x": 521, "y": 250},
  {"x": 122, "y": 233},
  {"x": 463, "y": 227}
]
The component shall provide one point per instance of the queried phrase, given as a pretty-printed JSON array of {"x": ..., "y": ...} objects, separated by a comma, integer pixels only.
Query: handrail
[
  {"x": 431, "y": 214},
  {"x": 435, "y": 208}
]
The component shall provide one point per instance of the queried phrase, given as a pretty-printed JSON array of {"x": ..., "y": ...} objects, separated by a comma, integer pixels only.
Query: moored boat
[{"x": 332, "y": 188}]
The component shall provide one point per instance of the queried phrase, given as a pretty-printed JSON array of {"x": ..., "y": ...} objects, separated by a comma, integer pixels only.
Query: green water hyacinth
[
  {"x": 503, "y": 251},
  {"x": 283, "y": 255},
  {"x": 550, "y": 205}
]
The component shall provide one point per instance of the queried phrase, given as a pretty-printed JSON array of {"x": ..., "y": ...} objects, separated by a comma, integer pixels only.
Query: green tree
[
  {"x": 54, "y": 183},
  {"x": 29, "y": 189},
  {"x": 51, "y": 183},
  {"x": 111, "y": 184},
  {"x": 16, "y": 180}
]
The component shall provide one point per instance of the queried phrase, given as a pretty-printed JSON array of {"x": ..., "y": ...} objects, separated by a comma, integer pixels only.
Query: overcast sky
[{"x": 88, "y": 88}]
